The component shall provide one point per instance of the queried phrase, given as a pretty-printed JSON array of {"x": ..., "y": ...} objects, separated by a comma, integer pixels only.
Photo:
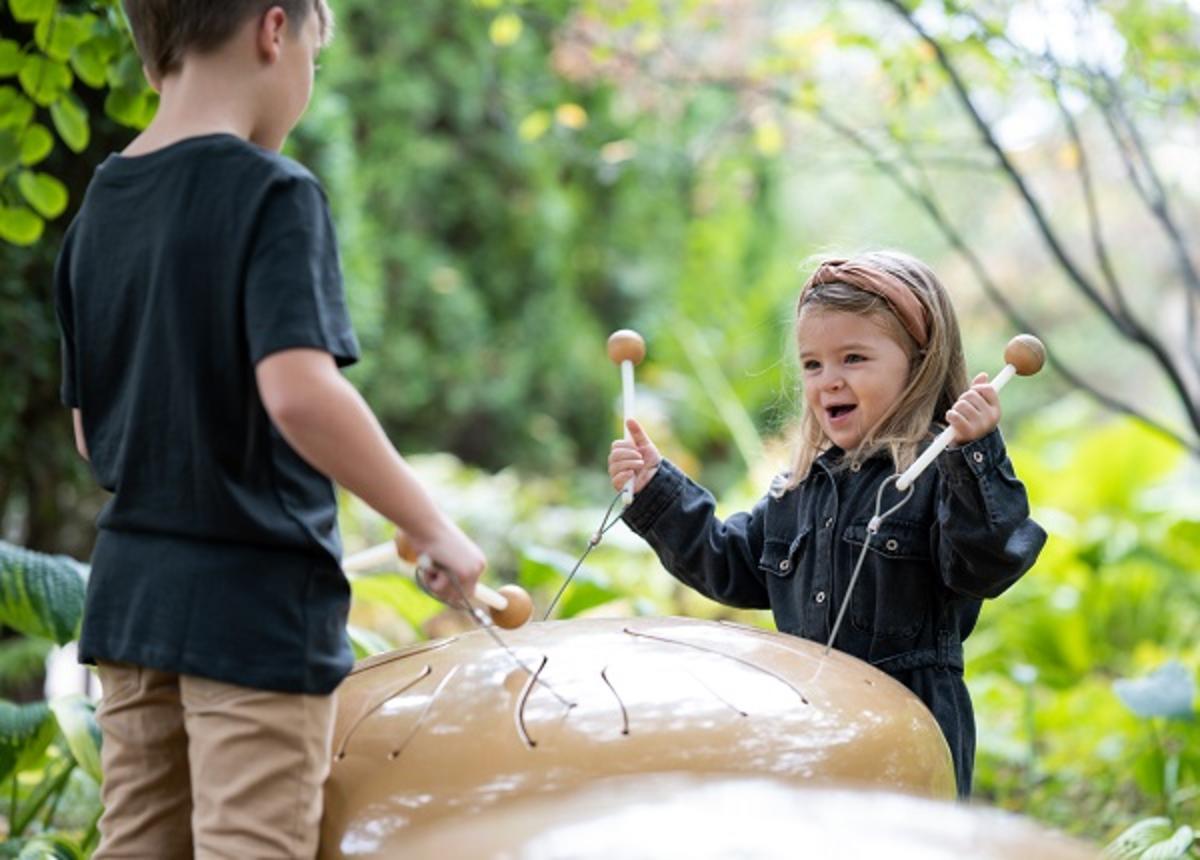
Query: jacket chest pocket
[
  {"x": 895, "y": 590},
  {"x": 781, "y": 556}
]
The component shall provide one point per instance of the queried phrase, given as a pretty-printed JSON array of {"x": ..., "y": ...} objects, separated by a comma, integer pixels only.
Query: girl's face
[{"x": 853, "y": 372}]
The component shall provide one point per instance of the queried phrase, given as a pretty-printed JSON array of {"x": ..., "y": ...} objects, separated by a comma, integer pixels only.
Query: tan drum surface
[
  {"x": 453, "y": 727},
  {"x": 713, "y": 817}
]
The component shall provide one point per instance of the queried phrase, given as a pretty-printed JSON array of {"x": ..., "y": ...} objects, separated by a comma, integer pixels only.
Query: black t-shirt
[{"x": 218, "y": 554}]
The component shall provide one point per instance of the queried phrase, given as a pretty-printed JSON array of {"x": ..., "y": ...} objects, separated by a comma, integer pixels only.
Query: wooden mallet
[
  {"x": 509, "y": 607},
  {"x": 626, "y": 348},
  {"x": 1024, "y": 356}
]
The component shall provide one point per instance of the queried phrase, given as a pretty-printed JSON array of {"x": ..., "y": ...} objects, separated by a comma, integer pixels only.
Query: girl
[{"x": 882, "y": 363}]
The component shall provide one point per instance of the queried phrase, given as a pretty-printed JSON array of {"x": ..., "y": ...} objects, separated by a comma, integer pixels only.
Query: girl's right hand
[{"x": 635, "y": 457}]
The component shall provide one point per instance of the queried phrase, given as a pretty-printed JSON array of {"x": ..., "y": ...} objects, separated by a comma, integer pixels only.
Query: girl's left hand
[{"x": 976, "y": 413}]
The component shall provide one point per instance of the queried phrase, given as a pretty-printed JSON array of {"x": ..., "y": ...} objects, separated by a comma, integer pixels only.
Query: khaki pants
[{"x": 194, "y": 767}]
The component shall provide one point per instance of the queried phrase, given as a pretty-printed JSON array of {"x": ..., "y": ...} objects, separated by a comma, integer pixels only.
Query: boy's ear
[{"x": 271, "y": 32}]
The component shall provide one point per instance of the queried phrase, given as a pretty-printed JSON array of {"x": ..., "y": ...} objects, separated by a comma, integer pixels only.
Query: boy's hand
[
  {"x": 976, "y": 413},
  {"x": 453, "y": 554},
  {"x": 635, "y": 458}
]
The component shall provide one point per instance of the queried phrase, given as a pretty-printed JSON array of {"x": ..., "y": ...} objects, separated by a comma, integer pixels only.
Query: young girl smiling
[{"x": 882, "y": 366}]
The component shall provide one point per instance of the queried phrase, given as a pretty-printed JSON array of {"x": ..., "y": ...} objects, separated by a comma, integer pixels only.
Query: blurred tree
[{"x": 1079, "y": 116}]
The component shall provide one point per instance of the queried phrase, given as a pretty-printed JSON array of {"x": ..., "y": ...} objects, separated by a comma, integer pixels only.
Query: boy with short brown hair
[{"x": 200, "y": 299}]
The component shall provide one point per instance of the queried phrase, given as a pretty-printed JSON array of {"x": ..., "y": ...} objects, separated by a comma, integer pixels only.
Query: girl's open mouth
[{"x": 840, "y": 411}]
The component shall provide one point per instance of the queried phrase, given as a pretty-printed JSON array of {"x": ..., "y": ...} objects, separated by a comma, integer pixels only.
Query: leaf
[
  {"x": 20, "y": 226},
  {"x": 70, "y": 119},
  {"x": 505, "y": 29},
  {"x": 1175, "y": 848},
  {"x": 1137, "y": 838},
  {"x": 129, "y": 106},
  {"x": 40, "y": 595},
  {"x": 16, "y": 111},
  {"x": 22, "y": 660},
  {"x": 11, "y": 57},
  {"x": 44, "y": 79},
  {"x": 36, "y": 144},
  {"x": 29, "y": 11},
  {"x": 89, "y": 63},
  {"x": 10, "y": 150},
  {"x": 76, "y": 717},
  {"x": 50, "y": 846},
  {"x": 399, "y": 594},
  {"x": 25, "y": 733},
  {"x": 58, "y": 35},
  {"x": 47, "y": 195},
  {"x": 1166, "y": 692}
]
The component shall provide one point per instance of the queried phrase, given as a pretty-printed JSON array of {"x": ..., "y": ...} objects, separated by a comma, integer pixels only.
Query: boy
[{"x": 203, "y": 323}]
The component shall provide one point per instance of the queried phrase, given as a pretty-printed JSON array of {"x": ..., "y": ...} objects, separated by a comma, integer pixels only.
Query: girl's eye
[
  {"x": 812, "y": 365},
  {"x": 854, "y": 358}
]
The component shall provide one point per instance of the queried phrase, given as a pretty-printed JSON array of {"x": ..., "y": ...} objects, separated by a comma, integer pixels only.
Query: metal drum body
[{"x": 453, "y": 727}]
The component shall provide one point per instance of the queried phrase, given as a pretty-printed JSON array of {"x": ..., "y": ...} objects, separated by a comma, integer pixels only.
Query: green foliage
[
  {"x": 40, "y": 595},
  {"x": 58, "y": 46}
]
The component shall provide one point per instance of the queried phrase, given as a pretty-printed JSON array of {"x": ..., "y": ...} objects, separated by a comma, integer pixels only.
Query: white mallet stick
[
  {"x": 626, "y": 348},
  {"x": 1024, "y": 356}
]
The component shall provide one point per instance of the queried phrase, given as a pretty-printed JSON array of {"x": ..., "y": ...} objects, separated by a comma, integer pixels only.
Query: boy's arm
[
  {"x": 80, "y": 441},
  {"x": 324, "y": 418}
]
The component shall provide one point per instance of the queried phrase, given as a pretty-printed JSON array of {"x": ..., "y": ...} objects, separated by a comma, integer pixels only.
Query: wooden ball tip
[
  {"x": 518, "y": 611},
  {"x": 1025, "y": 353},
  {"x": 626, "y": 345}
]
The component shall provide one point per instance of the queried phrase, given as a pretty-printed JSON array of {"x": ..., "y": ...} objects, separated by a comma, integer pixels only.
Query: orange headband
[{"x": 898, "y": 295}]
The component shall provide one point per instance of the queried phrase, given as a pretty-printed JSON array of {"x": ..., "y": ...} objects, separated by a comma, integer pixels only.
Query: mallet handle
[
  {"x": 627, "y": 402},
  {"x": 944, "y": 438},
  {"x": 385, "y": 553}
]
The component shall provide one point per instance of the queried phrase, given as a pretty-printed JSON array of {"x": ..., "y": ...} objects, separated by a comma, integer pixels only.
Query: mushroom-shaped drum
[
  {"x": 718, "y": 816},
  {"x": 452, "y": 727}
]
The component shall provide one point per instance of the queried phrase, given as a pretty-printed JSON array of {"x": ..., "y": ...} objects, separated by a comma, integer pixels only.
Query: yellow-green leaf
[
  {"x": 534, "y": 125},
  {"x": 16, "y": 111},
  {"x": 89, "y": 63},
  {"x": 36, "y": 144},
  {"x": 71, "y": 121},
  {"x": 20, "y": 225},
  {"x": 10, "y": 58},
  {"x": 59, "y": 34},
  {"x": 130, "y": 107},
  {"x": 43, "y": 192},
  {"x": 44, "y": 79},
  {"x": 25, "y": 732},
  {"x": 28, "y": 11},
  {"x": 77, "y": 721}
]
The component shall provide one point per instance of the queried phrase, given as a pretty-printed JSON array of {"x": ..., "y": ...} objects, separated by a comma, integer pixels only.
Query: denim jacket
[{"x": 965, "y": 534}]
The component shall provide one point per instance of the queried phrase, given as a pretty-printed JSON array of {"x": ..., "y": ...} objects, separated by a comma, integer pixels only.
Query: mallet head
[
  {"x": 1026, "y": 354},
  {"x": 626, "y": 345}
]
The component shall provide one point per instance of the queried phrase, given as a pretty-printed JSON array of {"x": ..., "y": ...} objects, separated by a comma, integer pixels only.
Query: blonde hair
[{"x": 937, "y": 371}]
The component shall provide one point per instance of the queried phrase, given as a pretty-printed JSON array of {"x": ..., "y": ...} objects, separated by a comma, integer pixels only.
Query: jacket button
[
  {"x": 785, "y": 565},
  {"x": 819, "y": 597},
  {"x": 829, "y": 522},
  {"x": 977, "y": 456},
  {"x": 892, "y": 545},
  {"x": 854, "y": 467}
]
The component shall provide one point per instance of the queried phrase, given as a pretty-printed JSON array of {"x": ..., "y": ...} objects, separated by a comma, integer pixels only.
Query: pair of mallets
[{"x": 511, "y": 606}]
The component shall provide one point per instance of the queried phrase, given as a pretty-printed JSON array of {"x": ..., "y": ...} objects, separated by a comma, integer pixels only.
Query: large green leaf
[
  {"x": 16, "y": 111},
  {"x": 40, "y": 595},
  {"x": 22, "y": 660},
  {"x": 47, "y": 195},
  {"x": 1168, "y": 691},
  {"x": 70, "y": 118},
  {"x": 89, "y": 62},
  {"x": 36, "y": 143},
  {"x": 10, "y": 57},
  {"x": 45, "y": 80},
  {"x": 29, "y": 11},
  {"x": 76, "y": 717},
  {"x": 20, "y": 225},
  {"x": 25, "y": 732},
  {"x": 58, "y": 35}
]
